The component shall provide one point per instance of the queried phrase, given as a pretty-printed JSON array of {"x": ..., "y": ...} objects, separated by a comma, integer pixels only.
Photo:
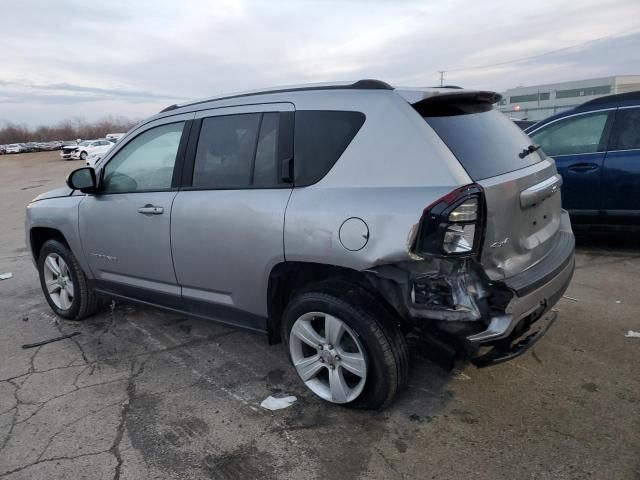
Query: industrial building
[{"x": 540, "y": 101}]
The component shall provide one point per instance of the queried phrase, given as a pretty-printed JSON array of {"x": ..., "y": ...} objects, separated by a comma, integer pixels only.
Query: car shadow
[{"x": 607, "y": 242}]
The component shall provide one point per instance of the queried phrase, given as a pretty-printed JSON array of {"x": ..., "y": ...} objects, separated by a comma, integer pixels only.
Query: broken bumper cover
[{"x": 536, "y": 291}]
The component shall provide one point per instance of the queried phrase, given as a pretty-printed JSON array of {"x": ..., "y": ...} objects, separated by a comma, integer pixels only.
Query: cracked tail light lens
[
  {"x": 459, "y": 238},
  {"x": 453, "y": 224}
]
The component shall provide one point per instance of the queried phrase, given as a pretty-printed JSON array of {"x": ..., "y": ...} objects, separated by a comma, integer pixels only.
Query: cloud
[{"x": 129, "y": 57}]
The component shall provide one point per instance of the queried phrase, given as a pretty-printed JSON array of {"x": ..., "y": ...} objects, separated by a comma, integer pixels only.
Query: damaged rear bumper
[
  {"x": 532, "y": 303},
  {"x": 455, "y": 300}
]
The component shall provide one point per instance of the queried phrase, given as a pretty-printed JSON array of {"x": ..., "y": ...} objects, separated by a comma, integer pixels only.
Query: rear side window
[
  {"x": 484, "y": 141},
  {"x": 321, "y": 136},
  {"x": 626, "y": 130},
  {"x": 573, "y": 135}
]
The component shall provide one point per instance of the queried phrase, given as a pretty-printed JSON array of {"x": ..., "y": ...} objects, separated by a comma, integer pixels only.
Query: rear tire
[
  {"x": 64, "y": 284},
  {"x": 368, "y": 326}
]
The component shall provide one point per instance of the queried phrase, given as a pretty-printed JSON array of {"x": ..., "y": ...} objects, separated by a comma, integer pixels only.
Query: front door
[
  {"x": 578, "y": 144},
  {"x": 227, "y": 223},
  {"x": 125, "y": 228}
]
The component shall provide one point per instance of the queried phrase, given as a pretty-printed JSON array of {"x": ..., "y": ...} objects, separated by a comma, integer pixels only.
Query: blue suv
[{"x": 596, "y": 147}]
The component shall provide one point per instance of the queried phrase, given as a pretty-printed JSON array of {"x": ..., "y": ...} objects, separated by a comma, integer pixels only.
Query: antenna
[{"x": 442, "y": 72}]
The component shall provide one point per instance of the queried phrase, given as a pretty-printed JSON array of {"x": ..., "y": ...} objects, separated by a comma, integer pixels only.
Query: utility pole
[{"x": 442, "y": 77}]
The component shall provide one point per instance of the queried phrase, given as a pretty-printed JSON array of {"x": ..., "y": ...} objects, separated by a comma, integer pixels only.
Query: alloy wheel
[
  {"x": 328, "y": 357},
  {"x": 58, "y": 281}
]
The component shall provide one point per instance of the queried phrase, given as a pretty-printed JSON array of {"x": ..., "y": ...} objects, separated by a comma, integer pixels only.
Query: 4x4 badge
[{"x": 499, "y": 244}]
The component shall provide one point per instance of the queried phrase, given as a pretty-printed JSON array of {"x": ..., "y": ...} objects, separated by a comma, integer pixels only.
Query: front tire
[
  {"x": 64, "y": 284},
  {"x": 345, "y": 349},
  {"x": 83, "y": 156}
]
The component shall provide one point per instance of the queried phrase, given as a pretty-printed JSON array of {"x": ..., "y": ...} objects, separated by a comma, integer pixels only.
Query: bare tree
[{"x": 70, "y": 129}]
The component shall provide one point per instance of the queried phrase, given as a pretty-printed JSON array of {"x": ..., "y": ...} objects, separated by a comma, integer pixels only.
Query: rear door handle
[
  {"x": 149, "y": 209},
  {"x": 583, "y": 167}
]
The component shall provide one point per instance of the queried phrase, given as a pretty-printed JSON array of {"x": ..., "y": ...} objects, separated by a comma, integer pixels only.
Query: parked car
[
  {"x": 596, "y": 147},
  {"x": 16, "y": 148},
  {"x": 89, "y": 146},
  {"x": 114, "y": 136},
  {"x": 3, "y": 149},
  {"x": 339, "y": 218},
  {"x": 97, "y": 152}
]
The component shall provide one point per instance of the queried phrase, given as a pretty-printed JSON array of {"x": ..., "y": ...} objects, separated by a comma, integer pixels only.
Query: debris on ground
[
  {"x": 6, "y": 276},
  {"x": 51, "y": 340},
  {"x": 618, "y": 301},
  {"x": 460, "y": 375},
  {"x": 569, "y": 298},
  {"x": 25, "y": 319},
  {"x": 273, "y": 403},
  {"x": 632, "y": 334}
]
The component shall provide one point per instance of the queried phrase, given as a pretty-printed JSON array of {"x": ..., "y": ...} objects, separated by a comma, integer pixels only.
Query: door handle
[
  {"x": 149, "y": 209},
  {"x": 583, "y": 167}
]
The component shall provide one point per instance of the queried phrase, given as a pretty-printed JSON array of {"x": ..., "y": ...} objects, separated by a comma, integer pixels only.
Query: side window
[
  {"x": 574, "y": 135},
  {"x": 146, "y": 162},
  {"x": 237, "y": 151},
  {"x": 320, "y": 139},
  {"x": 626, "y": 130}
]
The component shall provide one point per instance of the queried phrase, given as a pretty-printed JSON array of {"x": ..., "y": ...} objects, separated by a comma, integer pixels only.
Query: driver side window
[{"x": 146, "y": 162}]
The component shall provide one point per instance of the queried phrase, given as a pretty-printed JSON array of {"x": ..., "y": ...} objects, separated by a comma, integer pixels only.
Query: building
[{"x": 540, "y": 101}]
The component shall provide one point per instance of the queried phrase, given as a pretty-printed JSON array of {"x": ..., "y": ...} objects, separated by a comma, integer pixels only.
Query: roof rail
[
  {"x": 364, "y": 84},
  {"x": 618, "y": 97}
]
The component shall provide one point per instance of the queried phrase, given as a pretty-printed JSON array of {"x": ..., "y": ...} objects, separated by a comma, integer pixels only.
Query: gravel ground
[{"x": 144, "y": 394}]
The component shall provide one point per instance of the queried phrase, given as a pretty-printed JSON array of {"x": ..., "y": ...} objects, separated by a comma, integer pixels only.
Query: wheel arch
[
  {"x": 287, "y": 279},
  {"x": 39, "y": 235}
]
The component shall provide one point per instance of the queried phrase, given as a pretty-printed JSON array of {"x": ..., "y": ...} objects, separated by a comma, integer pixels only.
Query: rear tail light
[{"x": 453, "y": 225}]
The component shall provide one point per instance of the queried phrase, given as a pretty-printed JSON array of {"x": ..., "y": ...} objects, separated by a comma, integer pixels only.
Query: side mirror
[{"x": 83, "y": 179}]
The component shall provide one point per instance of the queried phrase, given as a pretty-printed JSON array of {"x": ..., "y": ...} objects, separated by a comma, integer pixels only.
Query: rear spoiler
[
  {"x": 456, "y": 102},
  {"x": 416, "y": 96}
]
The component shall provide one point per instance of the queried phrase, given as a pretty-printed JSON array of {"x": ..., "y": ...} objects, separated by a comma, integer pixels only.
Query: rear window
[
  {"x": 484, "y": 141},
  {"x": 321, "y": 136}
]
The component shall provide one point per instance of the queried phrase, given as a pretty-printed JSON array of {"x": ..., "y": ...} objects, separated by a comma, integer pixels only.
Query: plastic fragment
[
  {"x": 460, "y": 375},
  {"x": 6, "y": 276},
  {"x": 273, "y": 403},
  {"x": 570, "y": 298},
  {"x": 632, "y": 334}
]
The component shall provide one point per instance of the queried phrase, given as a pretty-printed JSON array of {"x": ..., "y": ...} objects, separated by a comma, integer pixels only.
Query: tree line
[{"x": 70, "y": 129}]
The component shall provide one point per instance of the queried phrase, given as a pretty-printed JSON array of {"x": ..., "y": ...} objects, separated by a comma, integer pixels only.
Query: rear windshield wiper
[{"x": 529, "y": 150}]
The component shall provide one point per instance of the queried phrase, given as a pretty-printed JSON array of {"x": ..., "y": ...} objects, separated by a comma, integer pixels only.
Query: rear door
[
  {"x": 621, "y": 173},
  {"x": 227, "y": 221},
  {"x": 578, "y": 145}
]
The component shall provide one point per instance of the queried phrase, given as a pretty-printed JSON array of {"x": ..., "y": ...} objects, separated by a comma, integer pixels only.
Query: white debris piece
[
  {"x": 273, "y": 403},
  {"x": 569, "y": 298},
  {"x": 618, "y": 301},
  {"x": 6, "y": 276},
  {"x": 460, "y": 375},
  {"x": 632, "y": 334}
]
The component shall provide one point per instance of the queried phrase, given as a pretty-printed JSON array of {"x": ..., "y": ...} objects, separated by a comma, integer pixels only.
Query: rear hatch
[{"x": 521, "y": 186}]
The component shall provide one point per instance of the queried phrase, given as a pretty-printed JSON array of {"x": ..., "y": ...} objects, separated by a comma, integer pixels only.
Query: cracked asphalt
[{"x": 144, "y": 394}]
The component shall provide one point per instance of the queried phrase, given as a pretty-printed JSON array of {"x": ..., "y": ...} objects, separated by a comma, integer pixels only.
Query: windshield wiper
[{"x": 529, "y": 150}]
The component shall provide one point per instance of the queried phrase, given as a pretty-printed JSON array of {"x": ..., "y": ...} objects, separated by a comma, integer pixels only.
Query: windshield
[{"x": 486, "y": 143}]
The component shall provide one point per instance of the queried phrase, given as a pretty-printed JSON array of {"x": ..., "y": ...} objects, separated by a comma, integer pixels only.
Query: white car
[
  {"x": 88, "y": 147},
  {"x": 97, "y": 153},
  {"x": 15, "y": 148}
]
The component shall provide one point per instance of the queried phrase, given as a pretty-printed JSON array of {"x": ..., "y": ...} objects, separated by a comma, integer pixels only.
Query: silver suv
[{"x": 340, "y": 219}]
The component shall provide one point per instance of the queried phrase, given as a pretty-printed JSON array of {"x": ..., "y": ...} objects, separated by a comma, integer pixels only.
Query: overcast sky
[{"x": 67, "y": 58}]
